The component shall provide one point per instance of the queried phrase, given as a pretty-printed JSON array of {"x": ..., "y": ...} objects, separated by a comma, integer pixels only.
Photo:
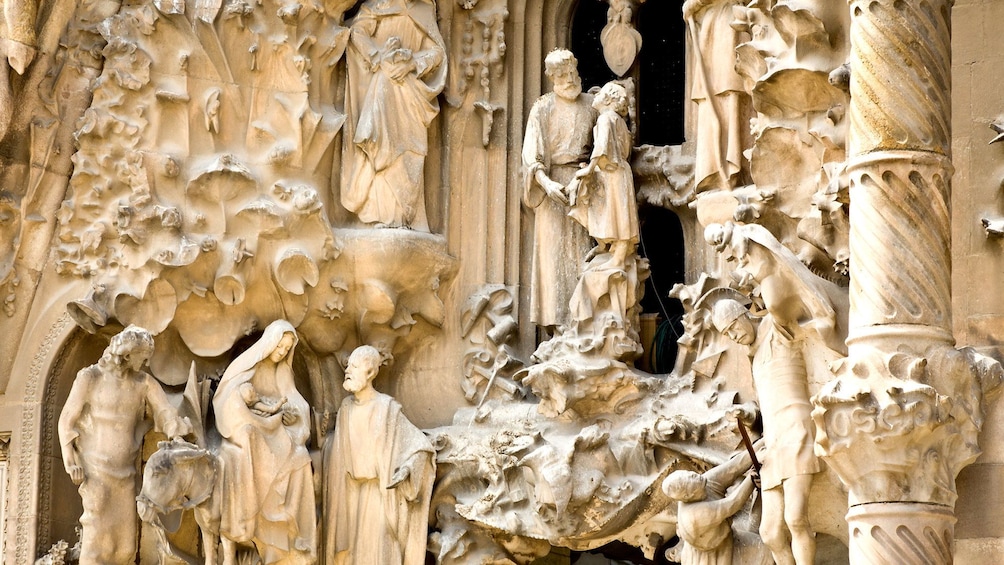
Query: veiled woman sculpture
[{"x": 268, "y": 493}]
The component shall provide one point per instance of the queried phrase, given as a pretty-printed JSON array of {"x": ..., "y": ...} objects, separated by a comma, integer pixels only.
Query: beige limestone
[{"x": 352, "y": 173}]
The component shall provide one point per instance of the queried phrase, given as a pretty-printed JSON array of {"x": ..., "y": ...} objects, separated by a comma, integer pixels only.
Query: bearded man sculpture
[{"x": 379, "y": 470}]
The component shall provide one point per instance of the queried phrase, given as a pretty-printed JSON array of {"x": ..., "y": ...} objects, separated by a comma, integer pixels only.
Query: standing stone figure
[
  {"x": 718, "y": 91},
  {"x": 101, "y": 431},
  {"x": 607, "y": 206},
  {"x": 558, "y": 138},
  {"x": 704, "y": 512},
  {"x": 801, "y": 308},
  {"x": 268, "y": 485},
  {"x": 379, "y": 469},
  {"x": 396, "y": 68}
]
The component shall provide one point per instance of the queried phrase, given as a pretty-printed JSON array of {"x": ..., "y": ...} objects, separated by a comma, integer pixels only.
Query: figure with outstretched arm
[{"x": 705, "y": 508}]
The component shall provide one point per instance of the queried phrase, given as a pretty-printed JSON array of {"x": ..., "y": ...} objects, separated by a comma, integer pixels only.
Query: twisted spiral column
[
  {"x": 900, "y": 167},
  {"x": 900, "y": 296}
]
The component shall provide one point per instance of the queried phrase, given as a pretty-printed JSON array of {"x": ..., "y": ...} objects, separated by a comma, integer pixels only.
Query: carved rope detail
[
  {"x": 901, "y": 79},
  {"x": 900, "y": 240}
]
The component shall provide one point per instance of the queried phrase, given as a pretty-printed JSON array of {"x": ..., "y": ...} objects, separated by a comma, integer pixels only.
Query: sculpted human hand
[
  {"x": 76, "y": 474},
  {"x": 289, "y": 416},
  {"x": 73, "y": 467},
  {"x": 556, "y": 191},
  {"x": 400, "y": 475},
  {"x": 398, "y": 70}
]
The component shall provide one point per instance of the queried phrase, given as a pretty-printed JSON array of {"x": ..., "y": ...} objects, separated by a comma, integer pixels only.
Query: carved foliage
[{"x": 900, "y": 426}]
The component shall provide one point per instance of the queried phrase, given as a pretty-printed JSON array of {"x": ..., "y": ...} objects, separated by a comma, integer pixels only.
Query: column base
[{"x": 901, "y": 533}]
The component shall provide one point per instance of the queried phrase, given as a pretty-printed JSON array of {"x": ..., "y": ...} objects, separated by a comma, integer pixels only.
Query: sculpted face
[
  {"x": 741, "y": 331},
  {"x": 567, "y": 83},
  {"x": 126, "y": 355},
  {"x": 359, "y": 372},
  {"x": 283, "y": 347}
]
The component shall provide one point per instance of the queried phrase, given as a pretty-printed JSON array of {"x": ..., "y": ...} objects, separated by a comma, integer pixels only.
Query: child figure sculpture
[{"x": 607, "y": 206}]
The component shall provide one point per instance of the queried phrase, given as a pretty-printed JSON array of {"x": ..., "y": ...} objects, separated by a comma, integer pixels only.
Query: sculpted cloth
[
  {"x": 610, "y": 210},
  {"x": 268, "y": 485},
  {"x": 106, "y": 416},
  {"x": 389, "y": 119},
  {"x": 558, "y": 138},
  {"x": 369, "y": 523},
  {"x": 718, "y": 90}
]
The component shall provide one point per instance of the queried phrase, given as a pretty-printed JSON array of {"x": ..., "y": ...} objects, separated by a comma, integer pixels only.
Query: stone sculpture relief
[
  {"x": 378, "y": 475},
  {"x": 268, "y": 494},
  {"x": 183, "y": 476},
  {"x": 607, "y": 206},
  {"x": 396, "y": 69},
  {"x": 492, "y": 360},
  {"x": 558, "y": 139},
  {"x": 793, "y": 65},
  {"x": 17, "y": 46},
  {"x": 801, "y": 309},
  {"x": 226, "y": 166},
  {"x": 101, "y": 430},
  {"x": 227, "y": 217},
  {"x": 718, "y": 92},
  {"x": 482, "y": 60},
  {"x": 621, "y": 41},
  {"x": 706, "y": 505}
]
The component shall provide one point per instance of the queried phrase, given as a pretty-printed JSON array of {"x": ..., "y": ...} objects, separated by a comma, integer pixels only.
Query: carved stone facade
[{"x": 366, "y": 281}]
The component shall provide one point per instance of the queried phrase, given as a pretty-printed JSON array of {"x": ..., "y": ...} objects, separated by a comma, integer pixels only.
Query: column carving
[{"x": 902, "y": 418}]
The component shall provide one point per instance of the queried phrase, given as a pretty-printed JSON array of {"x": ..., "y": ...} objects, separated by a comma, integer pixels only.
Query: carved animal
[{"x": 183, "y": 476}]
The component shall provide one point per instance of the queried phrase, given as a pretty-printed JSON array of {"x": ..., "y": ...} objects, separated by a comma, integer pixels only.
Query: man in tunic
[
  {"x": 396, "y": 68},
  {"x": 379, "y": 470},
  {"x": 558, "y": 138},
  {"x": 705, "y": 509},
  {"x": 101, "y": 431},
  {"x": 802, "y": 308},
  {"x": 607, "y": 206}
]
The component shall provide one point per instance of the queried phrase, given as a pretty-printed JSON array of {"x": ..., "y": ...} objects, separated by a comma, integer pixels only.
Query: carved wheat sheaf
[
  {"x": 900, "y": 240},
  {"x": 901, "y": 84}
]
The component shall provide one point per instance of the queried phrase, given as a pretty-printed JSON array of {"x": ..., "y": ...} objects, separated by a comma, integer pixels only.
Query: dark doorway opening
[{"x": 662, "y": 243}]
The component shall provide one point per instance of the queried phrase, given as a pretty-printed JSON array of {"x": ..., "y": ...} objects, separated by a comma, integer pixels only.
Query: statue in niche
[
  {"x": 718, "y": 91},
  {"x": 268, "y": 486},
  {"x": 557, "y": 140},
  {"x": 101, "y": 431},
  {"x": 704, "y": 511},
  {"x": 396, "y": 68},
  {"x": 378, "y": 474},
  {"x": 801, "y": 309},
  {"x": 607, "y": 207}
]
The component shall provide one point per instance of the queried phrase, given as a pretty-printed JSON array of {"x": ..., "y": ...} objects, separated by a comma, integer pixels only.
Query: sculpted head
[
  {"x": 282, "y": 348},
  {"x": 613, "y": 96},
  {"x": 130, "y": 349},
  {"x": 732, "y": 319},
  {"x": 362, "y": 368},
  {"x": 561, "y": 67},
  {"x": 685, "y": 486}
]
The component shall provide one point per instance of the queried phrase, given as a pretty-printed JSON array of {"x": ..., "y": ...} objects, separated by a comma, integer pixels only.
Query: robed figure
[
  {"x": 267, "y": 480},
  {"x": 379, "y": 472},
  {"x": 718, "y": 91},
  {"x": 396, "y": 68},
  {"x": 558, "y": 139}
]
